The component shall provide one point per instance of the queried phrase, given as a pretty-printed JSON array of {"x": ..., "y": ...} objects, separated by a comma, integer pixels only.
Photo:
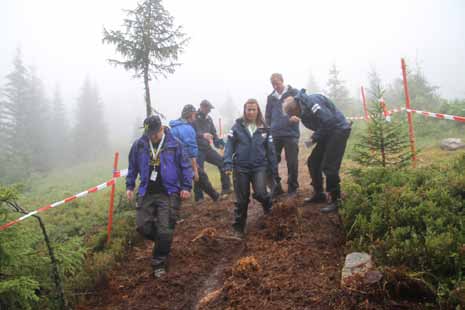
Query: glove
[
  {"x": 227, "y": 170},
  {"x": 220, "y": 144}
]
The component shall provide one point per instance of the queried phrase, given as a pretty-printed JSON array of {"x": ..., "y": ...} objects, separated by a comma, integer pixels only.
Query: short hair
[
  {"x": 277, "y": 75},
  {"x": 290, "y": 106}
]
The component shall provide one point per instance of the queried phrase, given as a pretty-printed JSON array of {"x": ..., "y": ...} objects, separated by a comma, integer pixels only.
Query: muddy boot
[
  {"x": 238, "y": 233},
  {"x": 319, "y": 197},
  {"x": 159, "y": 267},
  {"x": 159, "y": 271},
  {"x": 331, "y": 207},
  {"x": 277, "y": 191},
  {"x": 335, "y": 203}
]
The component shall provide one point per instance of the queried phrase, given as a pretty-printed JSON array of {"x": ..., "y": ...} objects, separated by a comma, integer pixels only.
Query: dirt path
[{"x": 288, "y": 260}]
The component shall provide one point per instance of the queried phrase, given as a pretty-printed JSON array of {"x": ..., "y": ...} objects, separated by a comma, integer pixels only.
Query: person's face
[
  {"x": 157, "y": 136},
  {"x": 291, "y": 107},
  {"x": 205, "y": 109},
  {"x": 251, "y": 112},
  {"x": 277, "y": 84},
  {"x": 192, "y": 117}
]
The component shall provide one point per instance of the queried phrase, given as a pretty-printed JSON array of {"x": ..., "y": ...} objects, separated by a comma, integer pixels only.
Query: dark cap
[
  {"x": 206, "y": 103},
  {"x": 187, "y": 110},
  {"x": 152, "y": 124}
]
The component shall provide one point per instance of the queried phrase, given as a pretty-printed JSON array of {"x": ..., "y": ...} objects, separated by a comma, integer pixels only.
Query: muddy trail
[{"x": 291, "y": 259}]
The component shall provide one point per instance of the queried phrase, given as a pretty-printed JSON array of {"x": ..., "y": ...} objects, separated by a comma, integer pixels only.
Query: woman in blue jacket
[{"x": 249, "y": 153}]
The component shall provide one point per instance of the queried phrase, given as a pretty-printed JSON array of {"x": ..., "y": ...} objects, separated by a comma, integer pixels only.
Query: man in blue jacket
[
  {"x": 331, "y": 131},
  {"x": 285, "y": 133},
  {"x": 206, "y": 135},
  {"x": 183, "y": 129},
  {"x": 165, "y": 179}
]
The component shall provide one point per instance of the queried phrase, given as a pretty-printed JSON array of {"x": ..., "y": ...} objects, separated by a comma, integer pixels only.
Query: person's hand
[
  {"x": 208, "y": 136},
  {"x": 130, "y": 195},
  {"x": 228, "y": 171},
  {"x": 294, "y": 119},
  {"x": 309, "y": 143},
  {"x": 185, "y": 195}
]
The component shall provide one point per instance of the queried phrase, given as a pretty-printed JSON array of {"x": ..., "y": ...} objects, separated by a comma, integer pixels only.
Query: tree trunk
[
  {"x": 56, "y": 275},
  {"x": 148, "y": 103}
]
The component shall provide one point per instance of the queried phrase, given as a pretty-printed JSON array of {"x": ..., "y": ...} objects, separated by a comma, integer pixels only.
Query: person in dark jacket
[
  {"x": 206, "y": 136},
  {"x": 250, "y": 153},
  {"x": 285, "y": 133},
  {"x": 183, "y": 129},
  {"x": 331, "y": 131},
  {"x": 165, "y": 175}
]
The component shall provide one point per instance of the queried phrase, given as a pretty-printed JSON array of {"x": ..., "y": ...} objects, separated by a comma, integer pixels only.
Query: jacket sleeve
[
  {"x": 271, "y": 155},
  {"x": 187, "y": 174},
  {"x": 229, "y": 150},
  {"x": 133, "y": 168},
  {"x": 217, "y": 142},
  {"x": 191, "y": 143},
  {"x": 268, "y": 112},
  {"x": 324, "y": 117}
]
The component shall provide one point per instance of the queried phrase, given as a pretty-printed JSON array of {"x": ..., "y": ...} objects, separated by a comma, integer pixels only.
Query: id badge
[{"x": 154, "y": 175}]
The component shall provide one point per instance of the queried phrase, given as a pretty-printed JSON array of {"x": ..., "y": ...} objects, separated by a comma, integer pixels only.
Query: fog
[{"x": 234, "y": 47}]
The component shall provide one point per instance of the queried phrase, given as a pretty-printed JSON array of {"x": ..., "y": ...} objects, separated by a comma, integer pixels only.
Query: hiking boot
[
  {"x": 316, "y": 198},
  {"x": 226, "y": 192},
  {"x": 331, "y": 207},
  {"x": 292, "y": 194},
  {"x": 277, "y": 191},
  {"x": 267, "y": 211},
  {"x": 238, "y": 233},
  {"x": 159, "y": 271},
  {"x": 216, "y": 197},
  {"x": 199, "y": 201}
]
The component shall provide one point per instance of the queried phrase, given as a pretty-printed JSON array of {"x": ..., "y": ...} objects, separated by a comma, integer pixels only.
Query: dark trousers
[
  {"x": 211, "y": 156},
  {"x": 156, "y": 216},
  {"x": 326, "y": 158},
  {"x": 204, "y": 185},
  {"x": 291, "y": 149},
  {"x": 242, "y": 182}
]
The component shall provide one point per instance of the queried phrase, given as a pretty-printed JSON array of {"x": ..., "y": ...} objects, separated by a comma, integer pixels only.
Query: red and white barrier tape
[
  {"x": 439, "y": 115},
  {"x": 362, "y": 118},
  {"x": 424, "y": 113},
  {"x": 116, "y": 174}
]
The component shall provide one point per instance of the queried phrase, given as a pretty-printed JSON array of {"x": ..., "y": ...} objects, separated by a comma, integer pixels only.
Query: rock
[
  {"x": 452, "y": 144},
  {"x": 359, "y": 269}
]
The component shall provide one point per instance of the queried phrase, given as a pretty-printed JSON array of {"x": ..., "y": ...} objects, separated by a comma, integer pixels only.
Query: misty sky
[{"x": 235, "y": 46}]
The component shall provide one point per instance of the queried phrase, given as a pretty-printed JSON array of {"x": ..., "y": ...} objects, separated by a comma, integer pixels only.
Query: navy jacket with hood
[
  {"x": 246, "y": 152},
  {"x": 320, "y": 115},
  {"x": 176, "y": 168},
  {"x": 275, "y": 117}
]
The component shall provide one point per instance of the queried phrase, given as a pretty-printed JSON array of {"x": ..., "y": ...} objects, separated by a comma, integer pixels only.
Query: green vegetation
[
  {"x": 412, "y": 219},
  {"x": 77, "y": 233}
]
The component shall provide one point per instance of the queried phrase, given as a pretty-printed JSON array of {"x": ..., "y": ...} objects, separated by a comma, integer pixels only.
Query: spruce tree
[
  {"x": 14, "y": 153},
  {"x": 312, "y": 85},
  {"x": 385, "y": 143},
  {"x": 37, "y": 123},
  {"x": 337, "y": 91},
  {"x": 59, "y": 129},
  {"x": 150, "y": 44},
  {"x": 90, "y": 136}
]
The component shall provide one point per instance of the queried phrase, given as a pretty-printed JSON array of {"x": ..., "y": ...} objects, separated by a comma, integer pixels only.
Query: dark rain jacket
[
  {"x": 248, "y": 153},
  {"x": 275, "y": 118},
  {"x": 320, "y": 115}
]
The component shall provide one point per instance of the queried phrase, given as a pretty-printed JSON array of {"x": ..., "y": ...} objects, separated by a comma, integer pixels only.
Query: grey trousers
[{"x": 156, "y": 216}]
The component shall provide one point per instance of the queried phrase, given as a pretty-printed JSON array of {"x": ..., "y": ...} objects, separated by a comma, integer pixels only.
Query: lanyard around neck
[{"x": 155, "y": 155}]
